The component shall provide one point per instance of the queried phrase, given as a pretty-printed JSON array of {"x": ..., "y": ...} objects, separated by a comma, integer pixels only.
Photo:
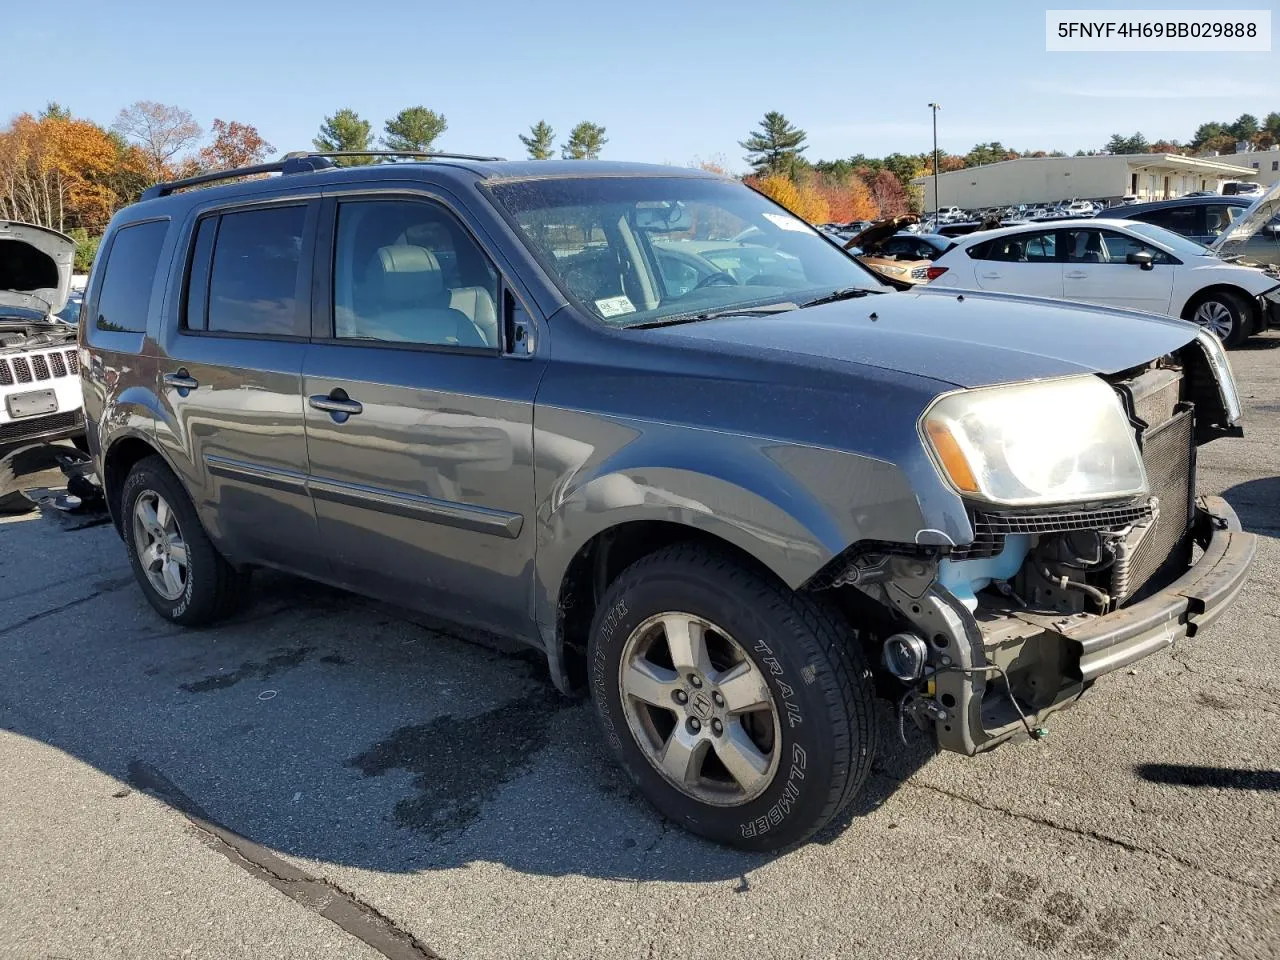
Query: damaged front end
[{"x": 985, "y": 639}]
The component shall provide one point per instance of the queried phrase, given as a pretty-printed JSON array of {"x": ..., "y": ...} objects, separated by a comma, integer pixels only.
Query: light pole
[{"x": 935, "y": 107}]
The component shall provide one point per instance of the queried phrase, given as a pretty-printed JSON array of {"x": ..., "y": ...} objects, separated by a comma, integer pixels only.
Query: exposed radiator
[{"x": 1168, "y": 452}]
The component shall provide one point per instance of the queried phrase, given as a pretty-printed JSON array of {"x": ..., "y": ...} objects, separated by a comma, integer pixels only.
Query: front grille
[
  {"x": 39, "y": 366},
  {"x": 1168, "y": 454},
  {"x": 38, "y": 426},
  {"x": 990, "y": 529}
]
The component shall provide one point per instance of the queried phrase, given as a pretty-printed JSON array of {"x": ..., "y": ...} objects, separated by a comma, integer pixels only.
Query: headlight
[
  {"x": 1222, "y": 373},
  {"x": 1058, "y": 441}
]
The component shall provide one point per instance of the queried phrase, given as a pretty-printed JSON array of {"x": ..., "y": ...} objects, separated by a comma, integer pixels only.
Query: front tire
[
  {"x": 1225, "y": 314},
  {"x": 179, "y": 569},
  {"x": 742, "y": 711}
]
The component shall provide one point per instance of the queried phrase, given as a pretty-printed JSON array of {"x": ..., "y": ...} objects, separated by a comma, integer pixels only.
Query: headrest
[{"x": 406, "y": 275}]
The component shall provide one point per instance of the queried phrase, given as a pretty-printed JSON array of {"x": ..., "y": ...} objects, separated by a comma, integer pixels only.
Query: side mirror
[{"x": 1142, "y": 259}]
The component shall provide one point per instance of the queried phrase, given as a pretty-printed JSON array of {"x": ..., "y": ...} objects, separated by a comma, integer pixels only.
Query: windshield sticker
[
  {"x": 615, "y": 306},
  {"x": 783, "y": 222}
]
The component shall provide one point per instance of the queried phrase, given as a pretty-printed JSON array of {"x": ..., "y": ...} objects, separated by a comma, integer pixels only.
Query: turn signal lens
[{"x": 951, "y": 457}]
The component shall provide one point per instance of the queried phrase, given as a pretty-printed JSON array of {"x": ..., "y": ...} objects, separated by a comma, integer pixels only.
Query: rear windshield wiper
[
  {"x": 848, "y": 293},
  {"x": 763, "y": 308}
]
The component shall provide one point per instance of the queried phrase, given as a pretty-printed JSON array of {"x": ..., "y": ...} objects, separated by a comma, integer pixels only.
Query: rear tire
[
  {"x": 766, "y": 741},
  {"x": 1225, "y": 313},
  {"x": 179, "y": 569}
]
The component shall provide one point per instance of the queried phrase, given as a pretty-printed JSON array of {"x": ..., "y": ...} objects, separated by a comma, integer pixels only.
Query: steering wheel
[{"x": 719, "y": 277}]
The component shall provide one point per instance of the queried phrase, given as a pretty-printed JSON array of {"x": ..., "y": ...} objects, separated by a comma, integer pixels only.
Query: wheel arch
[
  {"x": 117, "y": 460},
  {"x": 1250, "y": 301},
  {"x": 599, "y": 561}
]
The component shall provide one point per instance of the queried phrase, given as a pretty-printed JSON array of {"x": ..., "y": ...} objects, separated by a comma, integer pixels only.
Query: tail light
[{"x": 933, "y": 273}]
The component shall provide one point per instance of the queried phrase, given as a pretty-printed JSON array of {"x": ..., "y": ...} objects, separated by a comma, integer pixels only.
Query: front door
[
  {"x": 230, "y": 379},
  {"x": 419, "y": 423},
  {"x": 1097, "y": 271}
]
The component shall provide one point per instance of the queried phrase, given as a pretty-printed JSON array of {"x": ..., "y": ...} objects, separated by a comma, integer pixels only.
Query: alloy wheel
[
  {"x": 699, "y": 709},
  {"x": 158, "y": 541},
  {"x": 1215, "y": 316}
]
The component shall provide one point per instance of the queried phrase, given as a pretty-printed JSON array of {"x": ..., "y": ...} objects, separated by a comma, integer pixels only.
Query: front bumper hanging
[{"x": 974, "y": 707}]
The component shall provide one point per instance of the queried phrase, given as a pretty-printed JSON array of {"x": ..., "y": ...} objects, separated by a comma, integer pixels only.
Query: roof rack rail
[
  {"x": 429, "y": 154},
  {"x": 297, "y": 162}
]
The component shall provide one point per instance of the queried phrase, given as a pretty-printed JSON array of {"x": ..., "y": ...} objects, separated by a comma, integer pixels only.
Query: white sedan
[{"x": 1120, "y": 263}]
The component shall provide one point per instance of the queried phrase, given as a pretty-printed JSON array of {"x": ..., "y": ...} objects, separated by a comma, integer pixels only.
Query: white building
[
  {"x": 1147, "y": 176},
  {"x": 1264, "y": 163}
]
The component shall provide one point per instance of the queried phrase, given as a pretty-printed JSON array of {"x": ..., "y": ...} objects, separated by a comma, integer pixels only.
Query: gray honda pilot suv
[{"x": 651, "y": 424}]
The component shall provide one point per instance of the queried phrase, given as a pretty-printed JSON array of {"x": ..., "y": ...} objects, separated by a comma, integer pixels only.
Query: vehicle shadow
[
  {"x": 1257, "y": 504},
  {"x": 324, "y": 726},
  {"x": 1259, "y": 343},
  {"x": 1228, "y": 778}
]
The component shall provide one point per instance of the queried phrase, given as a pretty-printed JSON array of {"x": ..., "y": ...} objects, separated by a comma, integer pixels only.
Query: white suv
[{"x": 40, "y": 397}]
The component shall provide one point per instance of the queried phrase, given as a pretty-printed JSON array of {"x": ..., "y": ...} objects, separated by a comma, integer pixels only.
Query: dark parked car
[
  {"x": 1202, "y": 219},
  {"x": 734, "y": 511}
]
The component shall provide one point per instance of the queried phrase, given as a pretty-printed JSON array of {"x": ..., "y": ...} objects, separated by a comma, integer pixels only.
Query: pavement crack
[
  {"x": 664, "y": 825},
  {"x": 1095, "y": 835},
  {"x": 317, "y": 894},
  {"x": 107, "y": 586}
]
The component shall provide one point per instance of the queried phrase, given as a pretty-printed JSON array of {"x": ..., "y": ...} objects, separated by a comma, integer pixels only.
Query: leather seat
[
  {"x": 477, "y": 303},
  {"x": 406, "y": 301}
]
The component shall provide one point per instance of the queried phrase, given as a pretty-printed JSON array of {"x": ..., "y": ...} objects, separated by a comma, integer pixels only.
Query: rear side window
[
  {"x": 1018, "y": 248},
  {"x": 252, "y": 283},
  {"x": 128, "y": 275},
  {"x": 1183, "y": 220}
]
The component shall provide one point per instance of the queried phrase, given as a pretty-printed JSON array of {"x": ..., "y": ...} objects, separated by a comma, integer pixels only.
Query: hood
[
  {"x": 35, "y": 267},
  {"x": 880, "y": 231},
  {"x": 973, "y": 340},
  {"x": 1258, "y": 217}
]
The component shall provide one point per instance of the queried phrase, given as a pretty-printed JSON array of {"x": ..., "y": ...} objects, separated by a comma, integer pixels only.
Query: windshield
[
  {"x": 1256, "y": 234},
  {"x": 71, "y": 312},
  {"x": 640, "y": 250},
  {"x": 1176, "y": 242}
]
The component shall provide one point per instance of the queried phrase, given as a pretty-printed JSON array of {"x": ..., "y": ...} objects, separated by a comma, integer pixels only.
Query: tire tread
[{"x": 850, "y": 699}]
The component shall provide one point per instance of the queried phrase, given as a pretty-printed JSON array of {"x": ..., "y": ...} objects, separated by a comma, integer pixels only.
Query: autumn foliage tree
[
  {"x": 60, "y": 172},
  {"x": 847, "y": 198},
  {"x": 234, "y": 145},
  {"x": 802, "y": 200},
  {"x": 161, "y": 132}
]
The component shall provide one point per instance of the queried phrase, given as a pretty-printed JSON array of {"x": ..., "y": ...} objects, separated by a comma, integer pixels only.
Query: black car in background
[{"x": 1202, "y": 219}]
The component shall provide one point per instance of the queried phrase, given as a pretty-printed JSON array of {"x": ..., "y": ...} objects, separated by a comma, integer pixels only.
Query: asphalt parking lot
[{"x": 326, "y": 777}]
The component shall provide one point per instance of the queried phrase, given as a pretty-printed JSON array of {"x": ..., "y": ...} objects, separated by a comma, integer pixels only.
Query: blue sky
[{"x": 671, "y": 80}]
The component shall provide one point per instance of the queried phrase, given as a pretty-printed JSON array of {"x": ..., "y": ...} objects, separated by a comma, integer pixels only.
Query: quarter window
[
  {"x": 128, "y": 276},
  {"x": 407, "y": 271}
]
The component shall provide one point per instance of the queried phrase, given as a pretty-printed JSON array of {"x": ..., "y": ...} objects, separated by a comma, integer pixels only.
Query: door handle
[
  {"x": 337, "y": 404},
  {"x": 991, "y": 276},
  {"x": 1076, "y": 275},
  {"x": 181, "y": 381}
]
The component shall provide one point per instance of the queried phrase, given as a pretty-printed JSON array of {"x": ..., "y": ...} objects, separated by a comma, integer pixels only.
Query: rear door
[
  {"x": 1097, "y": 271},
  {"x": 1025, "y": 263},
  {"x": 230, "y": 381},
  {"x": 419, "y": 413}
]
